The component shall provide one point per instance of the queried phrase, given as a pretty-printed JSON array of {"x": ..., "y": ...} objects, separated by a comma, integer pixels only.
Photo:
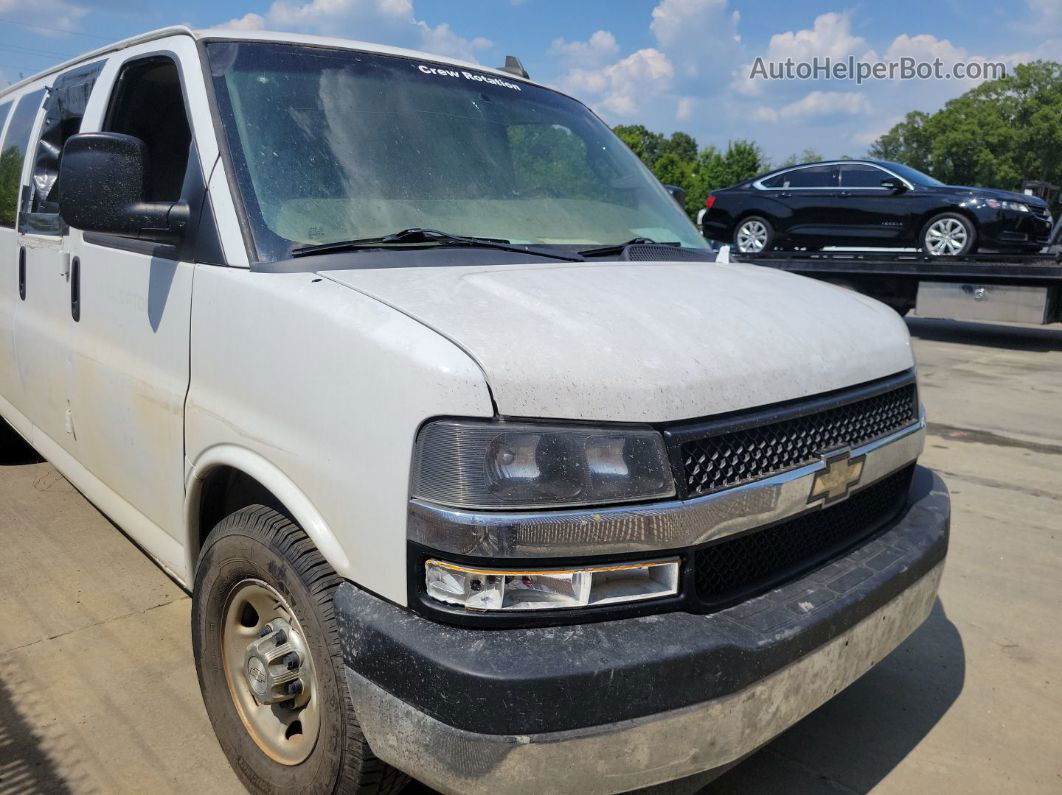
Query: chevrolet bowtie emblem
[{"x": 836, "y": 480}]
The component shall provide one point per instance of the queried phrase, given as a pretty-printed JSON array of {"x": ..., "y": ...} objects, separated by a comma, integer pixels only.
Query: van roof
[{"x": 260, "y": 35}]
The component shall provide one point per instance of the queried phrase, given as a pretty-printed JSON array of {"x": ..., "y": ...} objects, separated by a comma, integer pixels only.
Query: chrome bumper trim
[
  {"x": 648, "y": 527},
  {"x": 631, "y": 754}
]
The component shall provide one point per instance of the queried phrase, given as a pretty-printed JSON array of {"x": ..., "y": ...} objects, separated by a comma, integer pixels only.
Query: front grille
[
  {"x": 726, "y": 458},
  {"x": 732, "y": 570}
]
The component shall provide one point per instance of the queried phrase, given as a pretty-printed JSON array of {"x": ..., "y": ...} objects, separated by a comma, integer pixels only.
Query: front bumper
[
  {"x": 1010, "y": 228},
  {"x": 612, "y": 706}
]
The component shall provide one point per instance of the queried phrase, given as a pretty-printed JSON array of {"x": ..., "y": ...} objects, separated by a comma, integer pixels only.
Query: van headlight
[
  {"x": 477, "y": 588},
  {"x": 492, "y": 465}
]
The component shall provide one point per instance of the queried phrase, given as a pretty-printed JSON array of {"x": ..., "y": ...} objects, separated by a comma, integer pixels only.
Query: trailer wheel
[
  {"x": 948, "y": 235},
  {"x": 269, "y": 662},
  {"x": 753, "y": 235}
]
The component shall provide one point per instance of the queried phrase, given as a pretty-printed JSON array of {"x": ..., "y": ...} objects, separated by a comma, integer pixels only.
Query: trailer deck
[
  {"x": 1030, "y": 269},
  {"x": 1024, "y": 288}
]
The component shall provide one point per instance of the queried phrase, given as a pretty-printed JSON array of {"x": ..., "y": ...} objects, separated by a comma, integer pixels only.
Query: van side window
[
  {"x": 148, "y": 103},
  {"x": 13, "y": 154},
  {"x": 63, "y": 111},
  {"x": 5, "y": 109}
]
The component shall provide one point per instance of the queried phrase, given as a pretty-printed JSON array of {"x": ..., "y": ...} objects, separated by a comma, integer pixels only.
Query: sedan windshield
[
  {"x": 332, "y": 145},
  {"x": 914, "y": 175}
]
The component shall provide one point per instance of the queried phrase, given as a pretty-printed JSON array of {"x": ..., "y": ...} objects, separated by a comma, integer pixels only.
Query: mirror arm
[{"x": 174, "y": 217}]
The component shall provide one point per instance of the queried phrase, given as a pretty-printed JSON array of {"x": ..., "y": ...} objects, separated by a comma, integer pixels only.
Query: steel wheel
[
  {"x": 752, "y": 236},
  {"x": 270, "y": 673},
  {"x": 947, "y": 236}
]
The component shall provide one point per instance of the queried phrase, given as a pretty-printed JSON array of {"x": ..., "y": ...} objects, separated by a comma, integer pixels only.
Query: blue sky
[{"x": 668, "y": 64}]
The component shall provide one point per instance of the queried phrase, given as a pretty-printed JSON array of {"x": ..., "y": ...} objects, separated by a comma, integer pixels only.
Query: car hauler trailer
[{"x": 1016, "y": 288}]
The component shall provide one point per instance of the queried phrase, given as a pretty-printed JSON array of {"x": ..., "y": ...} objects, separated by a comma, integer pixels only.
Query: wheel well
[{"x": 224, "y": 491}]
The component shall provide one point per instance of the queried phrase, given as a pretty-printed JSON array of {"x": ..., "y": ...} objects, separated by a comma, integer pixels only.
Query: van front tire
[{"x": 261, "y": 583}]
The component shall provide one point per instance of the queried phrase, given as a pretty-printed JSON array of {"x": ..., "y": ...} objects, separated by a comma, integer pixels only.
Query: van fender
[{"x": 280, "y": 485}]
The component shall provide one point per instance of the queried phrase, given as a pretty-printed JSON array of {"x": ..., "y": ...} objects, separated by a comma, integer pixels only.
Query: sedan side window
[
  {"x": 777, "y": 181},
  {"x": 812, "y": 177},
  {"x": 860, "y": 175}
]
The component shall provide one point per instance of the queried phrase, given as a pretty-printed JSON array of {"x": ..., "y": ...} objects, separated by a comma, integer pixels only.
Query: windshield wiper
[
  {"x": 432, "y": 237},
  {"x": 617, "y": 248}
]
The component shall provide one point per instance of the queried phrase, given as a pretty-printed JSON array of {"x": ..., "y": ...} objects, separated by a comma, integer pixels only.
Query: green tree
[
  {"x": 683, "y": 146},
  {"x": 997, "y": 134},
  {"x": 10, "y": 173},
  {"x": 742, "y": 159},
  {"x": 647, "y": 145},
  {"x": 807, "y": 156}
]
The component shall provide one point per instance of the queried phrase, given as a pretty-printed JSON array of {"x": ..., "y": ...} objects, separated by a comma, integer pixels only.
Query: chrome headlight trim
[{"x": 650, "y": 527}]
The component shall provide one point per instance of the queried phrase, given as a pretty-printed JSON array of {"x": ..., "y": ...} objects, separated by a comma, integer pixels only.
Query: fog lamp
[{"x": 477, "y": 588}]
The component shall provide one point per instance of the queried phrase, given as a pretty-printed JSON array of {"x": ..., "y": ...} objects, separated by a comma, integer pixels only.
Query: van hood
[{"x": 657, "y": 342}]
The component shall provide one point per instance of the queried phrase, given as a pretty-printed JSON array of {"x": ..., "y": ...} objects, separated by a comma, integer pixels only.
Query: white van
[{"x": 478, "y": 467}]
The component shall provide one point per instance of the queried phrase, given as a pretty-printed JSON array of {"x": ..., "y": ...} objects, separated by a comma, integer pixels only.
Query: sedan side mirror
[
  {"x": 103, "y": 186},
  {"x": 678, "y": 194},
  {"x": 894, "y": 184}
]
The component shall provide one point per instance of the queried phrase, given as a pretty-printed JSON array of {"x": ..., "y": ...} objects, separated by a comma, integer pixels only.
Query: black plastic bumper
[{"x": 549, "y": 679}]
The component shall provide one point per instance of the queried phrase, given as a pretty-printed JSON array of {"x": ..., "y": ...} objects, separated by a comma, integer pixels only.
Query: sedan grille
[
  {"x": 732, "y": 570},
  {"x": 746, "y": 449}
]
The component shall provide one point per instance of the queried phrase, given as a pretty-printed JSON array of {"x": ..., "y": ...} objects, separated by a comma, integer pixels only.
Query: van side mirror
[
  {"x": 678, "y": 194},
  {"x": 894, "y": 184},
  {"x": 103, "y": 185}
]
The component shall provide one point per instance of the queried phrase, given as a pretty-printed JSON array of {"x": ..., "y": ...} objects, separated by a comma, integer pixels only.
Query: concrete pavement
[{"x": 98, "y": 692}]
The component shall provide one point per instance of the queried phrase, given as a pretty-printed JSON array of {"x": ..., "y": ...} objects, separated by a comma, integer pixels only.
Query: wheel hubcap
[
  {"x": 946, "y": 237},
  {"x": 751, "y": 237},
  {"x": 270, "y": 673}
]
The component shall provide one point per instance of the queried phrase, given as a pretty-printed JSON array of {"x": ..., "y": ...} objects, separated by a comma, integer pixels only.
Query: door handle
[
  {"x": 845, "y": 194},
  {"x": 22, "y": 272},
  {"x": 785, "y": 195},
  {"x": 75, "y": 289}
]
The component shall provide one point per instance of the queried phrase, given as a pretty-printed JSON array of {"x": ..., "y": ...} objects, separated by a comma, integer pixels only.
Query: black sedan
[{"x": 874, "y": 203}]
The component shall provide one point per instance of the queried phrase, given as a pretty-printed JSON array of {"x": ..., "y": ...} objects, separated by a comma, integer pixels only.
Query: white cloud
[
  {"x": 600, "y": 48},
  {"x": 866, "y": 137},
  {"x": 247, "y": 22},
  {"x": 830, "y": 35},
  {"x": 696, "y": 34},
  {"x": 684, "y": 108},
  {"x": 56, "y": 16},
  {"x": 696, "y": 40},
  {"x": 621, "y": 88},
  {"x": 390, "y": 21},
  {"x": 818, "y": 104},
  {"x": 1047, "y": 16}
]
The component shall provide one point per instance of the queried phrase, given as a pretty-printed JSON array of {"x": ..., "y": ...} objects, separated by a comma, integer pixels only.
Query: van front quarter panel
[{"x": 329, "y": 387}]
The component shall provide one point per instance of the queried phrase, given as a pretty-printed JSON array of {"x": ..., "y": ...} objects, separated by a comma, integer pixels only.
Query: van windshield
[{"x": 332, "y": 145}]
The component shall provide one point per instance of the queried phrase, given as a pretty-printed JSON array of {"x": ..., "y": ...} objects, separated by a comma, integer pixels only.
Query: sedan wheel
[
  {"x": 753, "y": 235},
  {"x": 948, "y": 236}
]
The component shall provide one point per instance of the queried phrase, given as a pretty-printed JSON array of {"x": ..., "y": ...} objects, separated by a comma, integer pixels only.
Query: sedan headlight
[
  {"x": 477, "y": 464},
  {"x": 478, "y": 588},
  {"x": 996, "y": 204}
]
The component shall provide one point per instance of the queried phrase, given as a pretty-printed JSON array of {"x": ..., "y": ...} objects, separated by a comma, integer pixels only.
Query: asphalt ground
[{"x": 98, "y": 692}]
